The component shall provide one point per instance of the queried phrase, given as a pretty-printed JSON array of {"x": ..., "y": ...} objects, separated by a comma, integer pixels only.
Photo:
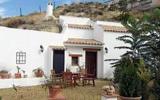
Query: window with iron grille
[
  {"x": 21, "y": 57},
  {"x": 75, "y": 61}
]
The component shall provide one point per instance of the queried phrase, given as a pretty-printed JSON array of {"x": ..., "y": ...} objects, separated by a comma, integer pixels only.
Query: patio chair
[
  {"x": 67, "y": 79},
  {"x": 76, "y": 77},
  {"x": 57, "y": 78},
  {"x": 87, "y": 79}
]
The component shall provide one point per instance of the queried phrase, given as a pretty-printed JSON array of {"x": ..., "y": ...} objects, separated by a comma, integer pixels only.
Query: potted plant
[
  {"x": 18, "y": 74},
  {"x": 4, "y": 74},
  {"x": 38, "y": 72},
  {"x": 54, "y": 88},
  {"x": 130, "y": 82},
  {"x": 24, "y": 75}
]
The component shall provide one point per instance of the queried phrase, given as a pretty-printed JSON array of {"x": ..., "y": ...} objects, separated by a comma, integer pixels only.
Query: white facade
[
  {"x": 15, "y": 40},
  {"x": 110, "y": 41}
]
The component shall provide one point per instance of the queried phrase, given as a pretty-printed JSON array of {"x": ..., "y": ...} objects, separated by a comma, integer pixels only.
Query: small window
[
  {"x": 20, "y": 57},
  {"x": 75, "y": 61}
]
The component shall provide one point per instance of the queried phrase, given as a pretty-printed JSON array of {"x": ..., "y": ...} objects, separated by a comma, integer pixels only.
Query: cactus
[{"x": 18, "y": 69}]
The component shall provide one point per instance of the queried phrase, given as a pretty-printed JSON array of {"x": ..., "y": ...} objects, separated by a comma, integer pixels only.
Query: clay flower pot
[
  {"x": 54, "y": 90},
  {"x": 4, "y": 75},
  {"x": 39, "y": 73},
  {"x": 130, "y": 98},
  {"x": 18, "y": 75}
]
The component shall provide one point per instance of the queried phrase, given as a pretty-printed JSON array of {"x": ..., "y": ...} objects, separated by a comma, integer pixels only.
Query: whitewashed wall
[
  {"x": 109, "y": 23},
  {"x": 74, "y": 50},
  {"x": 8, "y": 83},
  {"x": 74, "y": 20},
  {"x": 111, "y": 42},
  {"x": 100, "y": 65},
  {"x": 73, "y": 32},
  {"x": 14, "y": 40},
  {"x": 77, "y": 33},
  {"x": 98, "y": 33}
]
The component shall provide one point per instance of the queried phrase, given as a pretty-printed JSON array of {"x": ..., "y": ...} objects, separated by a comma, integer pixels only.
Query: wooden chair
[
  {"x": 76, "y": 77},
  {"x": 87, "y": 79},
  {"x": 57, "y": 78},
  {"x": 67, "y": 78}
]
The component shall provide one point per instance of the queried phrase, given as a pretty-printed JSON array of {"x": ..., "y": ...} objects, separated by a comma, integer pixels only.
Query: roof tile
[
  {"x": 83, "y": 41},
  {"x": 108, "y": 28},
  {"x": 78, "y": 26},
  {"x": 57, "y": 47}
]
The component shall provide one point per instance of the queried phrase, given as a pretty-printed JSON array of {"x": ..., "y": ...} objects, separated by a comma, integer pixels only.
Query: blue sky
[{"x": 12, "y": 7}]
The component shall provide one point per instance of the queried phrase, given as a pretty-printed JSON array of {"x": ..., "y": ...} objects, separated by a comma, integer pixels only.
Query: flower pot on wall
[
  {"x": 4, "y": 75},
  {"x": 130, "y": 98},
  {"x": 39, "y": 73},
  {"x": 18, "y": 75}
]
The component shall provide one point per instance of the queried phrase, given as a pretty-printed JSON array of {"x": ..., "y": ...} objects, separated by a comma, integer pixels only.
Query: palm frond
[
  {"x": 123, "y": 47},
  {"x": 111, "y": 59},
  {"x": 126, "y": 36}
]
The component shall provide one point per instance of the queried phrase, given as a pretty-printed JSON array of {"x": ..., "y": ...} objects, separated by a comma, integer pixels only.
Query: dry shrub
[
  {"x": 31, "y": 22},
  {"x": 14, "y": 23}
]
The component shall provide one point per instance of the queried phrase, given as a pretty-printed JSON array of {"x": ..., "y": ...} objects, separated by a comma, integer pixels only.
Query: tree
[
  {"x": 137, "y": 47},
  {"x": 135, "y": 41},
  {"x": 145, "y": 42},
  {"x": 152, "y": 55}
]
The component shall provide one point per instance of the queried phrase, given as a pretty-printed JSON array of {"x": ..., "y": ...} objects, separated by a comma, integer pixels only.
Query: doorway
[
  {"x": 58, "y": 61},
  {"x": 91, "y": 63}
]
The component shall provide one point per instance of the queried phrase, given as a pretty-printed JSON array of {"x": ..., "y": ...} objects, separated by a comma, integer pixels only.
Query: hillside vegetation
[{"x": 36, "y": 21}]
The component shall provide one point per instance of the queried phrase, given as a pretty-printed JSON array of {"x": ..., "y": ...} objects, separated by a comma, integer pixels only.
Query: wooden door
[
  {"x": 91, "y": 63},
  {"x": 58, "y": 61}
]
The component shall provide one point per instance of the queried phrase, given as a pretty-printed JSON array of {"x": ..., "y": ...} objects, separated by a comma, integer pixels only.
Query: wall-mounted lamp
[
  {"x": 106, "y": 49},
  {"x": 41, "y": 48}
]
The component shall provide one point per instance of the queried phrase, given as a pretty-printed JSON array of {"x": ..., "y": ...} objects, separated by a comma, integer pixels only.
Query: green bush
[
  {"x": 117, "y": 73},
  {"x": 132, "y": 77},
  {"x": 129, "y": 83}
]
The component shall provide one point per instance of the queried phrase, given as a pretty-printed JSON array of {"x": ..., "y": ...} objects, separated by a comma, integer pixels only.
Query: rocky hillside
[{"x": 35, "y": 21}]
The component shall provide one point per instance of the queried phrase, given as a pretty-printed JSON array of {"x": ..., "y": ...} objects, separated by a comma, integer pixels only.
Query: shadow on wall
[
  {"x": 109, "y": 73},
  {"x": 47, "y": 61}
]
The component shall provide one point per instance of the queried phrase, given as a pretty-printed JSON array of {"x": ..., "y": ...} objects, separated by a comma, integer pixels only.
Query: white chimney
[{"x": 49, "y": 12}]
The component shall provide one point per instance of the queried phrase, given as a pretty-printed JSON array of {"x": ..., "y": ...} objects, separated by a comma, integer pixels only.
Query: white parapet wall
[{"x": 8, "y": 83}]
